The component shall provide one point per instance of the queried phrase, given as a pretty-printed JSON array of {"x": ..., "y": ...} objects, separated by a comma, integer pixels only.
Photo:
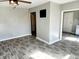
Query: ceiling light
[{"x": 13, "y": 3}]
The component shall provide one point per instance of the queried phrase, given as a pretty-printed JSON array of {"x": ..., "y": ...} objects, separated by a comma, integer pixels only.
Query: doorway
[
  {"x": 70, "y": 25},
  {"x": 33, "y": 23}
]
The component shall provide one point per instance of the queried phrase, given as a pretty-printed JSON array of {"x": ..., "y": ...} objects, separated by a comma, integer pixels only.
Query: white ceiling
[
  {"x": 38, "y": 2},
  {"x": 63, "y": 1}
]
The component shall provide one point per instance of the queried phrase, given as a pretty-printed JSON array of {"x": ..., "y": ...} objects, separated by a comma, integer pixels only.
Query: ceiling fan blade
[
  {"x": 3, "y": 0},
  {"x": 25, "y": 2}
]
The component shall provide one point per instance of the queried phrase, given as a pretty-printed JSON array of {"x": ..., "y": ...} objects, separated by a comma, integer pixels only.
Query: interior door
[
  {"x": 33, "y": 23},
  {"x": 68, "y": 22}
]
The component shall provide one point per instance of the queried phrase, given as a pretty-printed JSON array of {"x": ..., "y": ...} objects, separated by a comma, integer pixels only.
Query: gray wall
[
  {"x": 70, "y": 6},
  {"x": 48, "y": 28},
  {"x": 14, "y": 22},
  {"x": 42, "y": 23},
  {"x": 55, "y": 12}
]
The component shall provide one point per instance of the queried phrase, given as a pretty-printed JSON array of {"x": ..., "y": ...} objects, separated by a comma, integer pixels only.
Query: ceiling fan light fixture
[{"x": 13, "y": 2}]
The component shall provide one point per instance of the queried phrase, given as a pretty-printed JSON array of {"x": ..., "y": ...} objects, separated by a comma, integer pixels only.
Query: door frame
[
  {"x": 31, "y": 23},
  {"x": 62, "y": 18}
]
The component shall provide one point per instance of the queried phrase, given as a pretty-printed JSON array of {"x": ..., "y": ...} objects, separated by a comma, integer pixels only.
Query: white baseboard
[
  {"x": 49, "y": 43},
  {"x": 54, "y": 42},
  {"x": 15, "y": 37},
  {"x": 42, "y": 40}
]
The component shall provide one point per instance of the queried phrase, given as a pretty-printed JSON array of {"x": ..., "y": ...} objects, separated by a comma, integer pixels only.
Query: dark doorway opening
[{"x": 33, "y": 23}]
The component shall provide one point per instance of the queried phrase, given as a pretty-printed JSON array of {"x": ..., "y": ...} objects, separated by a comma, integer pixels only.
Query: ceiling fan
[{"x": 16, "y": 1}]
